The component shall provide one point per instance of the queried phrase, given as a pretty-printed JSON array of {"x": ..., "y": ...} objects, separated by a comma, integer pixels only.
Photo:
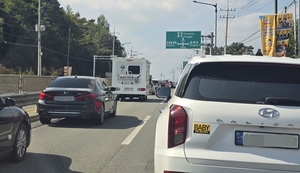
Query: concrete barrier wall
[{"x": 28, "y": 83}]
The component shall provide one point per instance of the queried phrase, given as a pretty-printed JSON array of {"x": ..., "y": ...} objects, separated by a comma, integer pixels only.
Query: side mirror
[
  {"x": 10, "y": 102},
  {"x": 112, "y": 88},
  {"x": 163, "y": 92}
]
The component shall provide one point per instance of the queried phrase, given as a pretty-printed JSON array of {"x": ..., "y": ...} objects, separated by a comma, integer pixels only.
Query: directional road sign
[{"x": 183, "y": 39}]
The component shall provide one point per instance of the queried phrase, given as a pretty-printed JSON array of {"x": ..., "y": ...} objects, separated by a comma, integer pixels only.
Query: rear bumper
[
  {"x": 168, "y": 160},
  {"x": 61, "y": 111}
]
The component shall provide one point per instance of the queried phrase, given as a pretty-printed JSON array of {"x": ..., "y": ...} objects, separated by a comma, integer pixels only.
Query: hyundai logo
[
  {"x": 65, "y": 92},
  {"x": 268, "y": 113}
]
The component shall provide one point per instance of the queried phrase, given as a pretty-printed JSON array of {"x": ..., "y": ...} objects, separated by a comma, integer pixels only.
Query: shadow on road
[
  {"x": 118, "y": 122},
  {"x": 147, "y": 101},
  {"x": 37, "y": 162}
]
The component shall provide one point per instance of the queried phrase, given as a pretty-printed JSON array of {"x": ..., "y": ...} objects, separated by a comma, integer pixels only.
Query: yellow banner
[
  {"x": 285, "y": 26},
  {"x": 268, "y": 36}
]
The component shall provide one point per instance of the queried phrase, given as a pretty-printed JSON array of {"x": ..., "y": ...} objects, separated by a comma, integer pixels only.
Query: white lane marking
[{"x": 132, "y": 135}]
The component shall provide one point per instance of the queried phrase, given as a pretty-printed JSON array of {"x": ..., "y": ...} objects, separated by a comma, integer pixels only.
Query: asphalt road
[{"x": 123, "y": 144}]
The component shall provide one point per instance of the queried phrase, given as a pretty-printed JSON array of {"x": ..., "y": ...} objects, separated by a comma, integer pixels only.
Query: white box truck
[{"x": 131, "y": 77}]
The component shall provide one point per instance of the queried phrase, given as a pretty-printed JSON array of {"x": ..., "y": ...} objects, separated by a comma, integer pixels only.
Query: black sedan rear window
[
  {"x": 73, "y": 83},
  {"x": 243, "y": 82}
]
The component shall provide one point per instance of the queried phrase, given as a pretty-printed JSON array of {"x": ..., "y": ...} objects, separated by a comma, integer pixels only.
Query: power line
[{"x": 250, "y": 36}]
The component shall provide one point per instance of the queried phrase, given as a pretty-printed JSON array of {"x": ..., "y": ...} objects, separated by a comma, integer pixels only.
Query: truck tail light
[
  {"x": 177, "y": 126},
  {"x": 45, "y": 96},
  {"x": 141, "y": 89}
]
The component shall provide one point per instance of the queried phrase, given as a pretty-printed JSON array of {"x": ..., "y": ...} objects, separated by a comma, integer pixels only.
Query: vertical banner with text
[
  {"x": 285, "y": 26},
  {"x": 268, "y": 36}
]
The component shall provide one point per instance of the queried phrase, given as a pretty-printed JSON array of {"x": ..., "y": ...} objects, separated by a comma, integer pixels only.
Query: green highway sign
[{"x": 183, "y": 39}]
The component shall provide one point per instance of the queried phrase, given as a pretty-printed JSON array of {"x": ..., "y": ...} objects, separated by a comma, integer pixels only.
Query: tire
[
  {"x": 100, "y": 116},
  {"x": 44, "y": 120},
  {"x": 143, "y": 98},
  {"x": 20, "y": 144},
  {"x": 114, "y": 113}
]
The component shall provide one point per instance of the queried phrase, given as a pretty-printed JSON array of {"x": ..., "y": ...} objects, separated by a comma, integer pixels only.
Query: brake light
[
  {"x": 88, "y": 96},
  {"x": 141, "y": 89},
  {"x": 44, "y": 96},
  {"x": 177, "y": 126}
]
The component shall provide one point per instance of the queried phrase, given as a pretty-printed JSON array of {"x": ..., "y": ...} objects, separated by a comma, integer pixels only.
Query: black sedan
[
  {"x": 15, "y": 130},
  {"x": 83, "y": 97}
]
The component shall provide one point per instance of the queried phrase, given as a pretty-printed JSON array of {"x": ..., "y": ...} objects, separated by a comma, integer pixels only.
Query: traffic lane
[
  {"x": 138, "y": 155},
  {"x": 68, "y": 146}
]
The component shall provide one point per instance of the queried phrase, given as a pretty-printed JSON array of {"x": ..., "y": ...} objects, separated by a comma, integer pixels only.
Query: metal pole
[
  {"x": 216, "y": 24},
  {"x": 226, "y": 29},
  {"x": 298, "y": 29},
  {"x": 68, "y": 59},
  {"x": 39, "y": 40},
  {"x": 113, "y": 49},
  {"x": 276, "y": 11},
  {"x": 295, "y": 33},
  {"x": 211, "y": 42},
  {"x": 94, "y": 65}
]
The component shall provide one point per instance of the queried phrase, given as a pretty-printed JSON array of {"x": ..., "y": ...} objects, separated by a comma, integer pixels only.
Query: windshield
[
  {"x": 243, "y": 82},
  {"x": 73, "y": 83}
]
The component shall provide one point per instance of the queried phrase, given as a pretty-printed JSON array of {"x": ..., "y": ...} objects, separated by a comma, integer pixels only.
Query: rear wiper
[{"x": 282, "y": 101}]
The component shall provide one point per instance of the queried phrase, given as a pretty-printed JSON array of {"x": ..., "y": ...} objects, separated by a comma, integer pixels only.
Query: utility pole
[
  {"x": 68, "y": 60},
  {"x": 295, "y": 33},
  {"x": 173, "y": 74},
  {"x": 113, "y": 49},
  {"x": 39, "y": 41},
  {"x": 226, "y": 29},
  {"x": 298, "y": 30}
]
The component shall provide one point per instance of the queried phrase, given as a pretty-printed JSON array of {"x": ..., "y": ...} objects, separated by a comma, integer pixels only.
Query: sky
[{"x": 144, "y": 23}]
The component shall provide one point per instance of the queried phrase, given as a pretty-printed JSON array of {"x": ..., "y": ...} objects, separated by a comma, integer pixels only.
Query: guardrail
[{"x": 24, "y": 99}]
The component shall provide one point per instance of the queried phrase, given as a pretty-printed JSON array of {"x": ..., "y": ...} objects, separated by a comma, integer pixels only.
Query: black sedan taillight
[
  {"x": 177, "y": 126},
  {"x": 45, "y": 96},
  {"x": 88, "y": 96}
]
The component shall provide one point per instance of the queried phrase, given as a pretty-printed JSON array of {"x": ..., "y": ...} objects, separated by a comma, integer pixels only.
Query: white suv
[{"x": 231, "y": 114}]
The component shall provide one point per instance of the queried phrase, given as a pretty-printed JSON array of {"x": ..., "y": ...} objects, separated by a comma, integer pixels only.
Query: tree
[
  {"x": 234, "y": 49},
  {"x": 18, "y": 38}
]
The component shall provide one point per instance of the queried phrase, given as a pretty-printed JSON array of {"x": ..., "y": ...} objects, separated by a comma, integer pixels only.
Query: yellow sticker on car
[{"x": 202, "y": 128}]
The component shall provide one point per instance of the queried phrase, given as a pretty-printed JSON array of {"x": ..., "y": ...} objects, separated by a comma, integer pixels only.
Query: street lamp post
[
  {"x": 123, "y": 45},
  {"x": 137, "y": 54},
  {"x": 216, "y": 14}
]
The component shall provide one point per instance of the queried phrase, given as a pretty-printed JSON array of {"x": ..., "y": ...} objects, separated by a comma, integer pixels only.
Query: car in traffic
[
  {"x": 15, "y": 130},
  {"x": 231, "y": 114},
  {"x": 81, "y": 97},
  {"x": 155, "y": 84}
]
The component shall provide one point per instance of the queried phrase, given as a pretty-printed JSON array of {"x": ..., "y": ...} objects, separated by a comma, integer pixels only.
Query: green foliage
[
  {"x": 4, "y": 70},
  {"x": 234, "y": 49},
  {"x": 18, "y": 38}
]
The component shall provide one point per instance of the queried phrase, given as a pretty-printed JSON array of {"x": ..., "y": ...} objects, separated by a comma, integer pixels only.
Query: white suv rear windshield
[{"x": 242, "y": 82}]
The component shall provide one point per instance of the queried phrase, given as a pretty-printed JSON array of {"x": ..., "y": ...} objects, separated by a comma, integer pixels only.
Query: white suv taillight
[{"x": 177, "y": 126}]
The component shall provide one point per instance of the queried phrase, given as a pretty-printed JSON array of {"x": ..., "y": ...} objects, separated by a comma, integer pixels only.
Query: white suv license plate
[
  {"x": 269, "y": 140},
  {"x": 64, "y": 98}
]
